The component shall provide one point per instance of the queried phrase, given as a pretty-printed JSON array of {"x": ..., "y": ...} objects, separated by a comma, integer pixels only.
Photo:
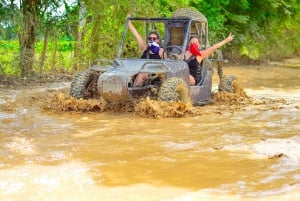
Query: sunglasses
[{"x": 152, "y": 38}]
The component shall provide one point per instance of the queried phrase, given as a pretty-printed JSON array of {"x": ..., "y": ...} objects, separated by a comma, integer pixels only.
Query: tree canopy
[{"x": 91, "y": 29}]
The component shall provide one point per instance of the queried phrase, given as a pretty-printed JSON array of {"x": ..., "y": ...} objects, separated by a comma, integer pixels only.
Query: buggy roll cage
[{"x": 177, "y": 30}]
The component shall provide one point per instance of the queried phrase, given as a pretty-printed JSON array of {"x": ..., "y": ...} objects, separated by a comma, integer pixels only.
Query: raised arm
[
  {"x": 207, "y": 52},
  {"x": 139, "y": 39}
]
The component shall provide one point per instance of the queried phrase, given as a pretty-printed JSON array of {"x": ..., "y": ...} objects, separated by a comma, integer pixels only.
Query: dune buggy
[{"x": 168, "y": 78}]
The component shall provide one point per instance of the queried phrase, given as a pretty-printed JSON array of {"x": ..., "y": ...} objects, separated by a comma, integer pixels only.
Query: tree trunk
[
  {"x": 79, "y": 34},
  {"x": 44, "y": 51},
  {"x": 53, "y": 64},
  {"x": 30, "y": 20},
  {"x": 95, "y": 38}
]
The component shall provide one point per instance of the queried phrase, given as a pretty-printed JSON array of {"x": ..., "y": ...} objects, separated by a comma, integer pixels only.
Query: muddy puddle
[{"x": 241, "y": 147}]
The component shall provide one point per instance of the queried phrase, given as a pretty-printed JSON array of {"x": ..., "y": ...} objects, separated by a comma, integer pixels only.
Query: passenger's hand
[
  {"x": 230, "y": 37},
  {"x": 194, "y": 49},
  {"x": 128, "y": 15}
]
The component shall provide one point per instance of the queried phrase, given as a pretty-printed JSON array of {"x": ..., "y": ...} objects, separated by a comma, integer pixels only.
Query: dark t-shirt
[
  {"x": 151, "y": 56},
  {"x": 193, "y": 66}
]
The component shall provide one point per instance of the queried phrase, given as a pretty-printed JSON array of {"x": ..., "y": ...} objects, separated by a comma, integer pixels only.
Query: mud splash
[
  {"x": 222, "y": 102},
  {"x": 146, "y": 107}
]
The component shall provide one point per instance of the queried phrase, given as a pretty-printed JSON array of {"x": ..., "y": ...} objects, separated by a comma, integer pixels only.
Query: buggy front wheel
[
  {"x": 84, "y": 85},
  {"x": 174, "y": 89}
]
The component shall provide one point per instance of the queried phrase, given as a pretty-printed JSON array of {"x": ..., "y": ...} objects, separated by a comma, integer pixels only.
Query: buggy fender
[
  {"x": 113, "y": 86},
  {"x": 201, "y": 95}
]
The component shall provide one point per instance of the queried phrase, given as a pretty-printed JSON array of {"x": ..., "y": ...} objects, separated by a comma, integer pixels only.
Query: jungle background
[{"x": 39, "y": 37}]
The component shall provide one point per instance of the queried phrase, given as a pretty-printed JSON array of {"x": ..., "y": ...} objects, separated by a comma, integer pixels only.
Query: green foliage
[
  {"x": 63, "y": 46},
  {"x": 263, "y": 29},
  {"x": 9, "y": 45},
  {"x": 269, "y": 28},
  {"x": 9, "y": 57}
]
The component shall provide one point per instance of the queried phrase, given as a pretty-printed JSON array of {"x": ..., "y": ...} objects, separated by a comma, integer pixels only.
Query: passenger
[
  {"x": 151, "y": 50},
  {"x": 194, "y": 57}
]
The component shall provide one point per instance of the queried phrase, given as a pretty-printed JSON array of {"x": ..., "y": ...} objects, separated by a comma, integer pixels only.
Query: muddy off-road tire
[
  {"x": 84, "y": 85},
  {"x": 227, "y": 83},
  {"x": 174, "y": 89}
]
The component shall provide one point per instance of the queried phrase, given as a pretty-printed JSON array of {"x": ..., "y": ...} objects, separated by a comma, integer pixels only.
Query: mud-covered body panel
[
  {"x": 115, "y": 84},
  {"x": 201, "y": 95}
]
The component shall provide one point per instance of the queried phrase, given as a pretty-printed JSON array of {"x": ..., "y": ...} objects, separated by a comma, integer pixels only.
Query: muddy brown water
[{"x": 234, "y": 149}]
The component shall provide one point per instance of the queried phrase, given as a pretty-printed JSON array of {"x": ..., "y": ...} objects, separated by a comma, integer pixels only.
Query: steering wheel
[{"x": 173, "y": 52}]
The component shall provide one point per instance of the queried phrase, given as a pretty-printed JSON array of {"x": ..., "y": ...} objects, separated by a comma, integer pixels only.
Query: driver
[{"x": 151, "y": 50}]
